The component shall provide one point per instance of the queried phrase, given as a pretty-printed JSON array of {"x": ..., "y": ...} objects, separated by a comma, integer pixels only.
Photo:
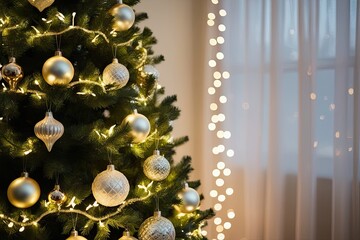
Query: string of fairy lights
[
  {"x": 24, "y": 221},
  {"x": 27, "y": 221},
  {"x": 221, "y": 192}
]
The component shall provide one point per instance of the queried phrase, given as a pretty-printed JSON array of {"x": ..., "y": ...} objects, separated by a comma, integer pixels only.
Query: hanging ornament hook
[{"x": 58, "y": 42}]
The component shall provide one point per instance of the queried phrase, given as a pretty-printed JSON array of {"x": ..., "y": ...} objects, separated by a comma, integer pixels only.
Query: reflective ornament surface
[
  {"x": 75, "y": 236},
  {"x": 150, "y": 70},
  {"x": 124, "y": 17},
  {"x": 41, "y": 4},
  {"x": 12, "y": 73},
  {"x": 56, "y": 196},
  {"x": 23, "y": 192},
  {"x": 116, "y": 73},
  {"x": 49, "y": 130},
  {"x": 58, "y": 70},
  {"x": 139, "y": 126},
  {"x": 157, "y": 228},
  {"x": 190, "y": 199},
  {"x": 156, "y": 167},
  {"x": 110, "y": 187}
]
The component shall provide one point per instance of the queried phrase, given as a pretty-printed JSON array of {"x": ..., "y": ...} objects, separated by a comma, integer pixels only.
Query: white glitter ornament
[
  {"x": 41, "y": 4},
  {"x": 157, "y": 228},
  {"x": 124, "y": 16},
  {"x": 110, "y": 187},
  {"x": 156, "y": 167},
  {"x": 116, "y": 73},
  {"x": 150, "y": 70},
  {"x": 49, "y": 130},
  {"x": 190, "y": 199},
  {"x": 139, "y": 126},
  {"x": 127, "y": 236},
  {"x": 75, "y": 236}
]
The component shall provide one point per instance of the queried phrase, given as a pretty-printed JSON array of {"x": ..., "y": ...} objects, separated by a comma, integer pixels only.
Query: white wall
[{"x": 175, "y": 25}]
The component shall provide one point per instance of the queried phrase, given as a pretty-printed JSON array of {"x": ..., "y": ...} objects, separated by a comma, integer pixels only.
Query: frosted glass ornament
[
  {"x": 116, "y": 73},
  {"x": 41, "y": 4},
  {"x": 156, "y": 167},
  {"x": 157, "y": 228},
  {"x": 49, "y": 130},
  {"x": 151, "y": 71},
  {"x": 190, "y": 199},
  {"x": 110, "y": 187},
  {"x": 139, "y": 126},
  {"x": 23, "y": 192}
]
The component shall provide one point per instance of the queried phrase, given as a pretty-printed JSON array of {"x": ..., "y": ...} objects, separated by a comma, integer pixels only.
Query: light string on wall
[{"x": 221, "y": 192}]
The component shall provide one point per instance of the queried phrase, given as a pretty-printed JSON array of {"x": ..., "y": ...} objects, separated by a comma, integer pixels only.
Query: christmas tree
[{"x": 85, "y": 132}]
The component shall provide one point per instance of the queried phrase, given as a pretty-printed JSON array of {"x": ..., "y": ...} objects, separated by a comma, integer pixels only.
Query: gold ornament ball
[
  {"x": 157, "y": 227},
  {"x": 12, "y": 73},
  {"x": 139, "y": 126},
  {"x": 75, "y": 236},
  {"x": 124, "y": 17},
  {"x": 110, "y": 187},
  {"x": 127, "y": 236},
  {"x": 41, "y": 4},
  {"x": 56, "y": 196},
  {"x": 23, "y": 192},
  {"x": 58, "y": 70},
  {"x": 190, "y": 199},
  {"x": 49, "y": 130},
  {"x": 156, "y": 167}
]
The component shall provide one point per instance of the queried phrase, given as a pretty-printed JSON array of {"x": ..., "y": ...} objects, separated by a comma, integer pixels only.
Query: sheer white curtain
[{"x": 291, "y": 105}]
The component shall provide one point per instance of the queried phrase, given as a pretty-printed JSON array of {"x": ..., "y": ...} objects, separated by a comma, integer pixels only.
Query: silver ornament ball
[
  {"x": 116, "y": 73},
  {"x": 190, "y": 199},
  {"x": 124, "y": 17},
  {"x": 49, "y": 130},
  {"x": 139, "y": 126},
  {"x": 58, "y": 70},
  {"x": 156, "y": 167},
  {"x": 110, "y": 187},
  {"x": 157, "y": 228},
  {"x": 150, "y": 70}
]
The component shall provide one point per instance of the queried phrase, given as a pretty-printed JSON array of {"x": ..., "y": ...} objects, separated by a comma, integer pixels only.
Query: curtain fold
[{"x": 282, "y": 141}]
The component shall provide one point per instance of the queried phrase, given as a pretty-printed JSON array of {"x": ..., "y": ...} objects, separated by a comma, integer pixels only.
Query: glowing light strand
[
  {"x": 215, "y": 119},
  {"x": 70, "y": 211},
  {"x": 70, "y": 28}
]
